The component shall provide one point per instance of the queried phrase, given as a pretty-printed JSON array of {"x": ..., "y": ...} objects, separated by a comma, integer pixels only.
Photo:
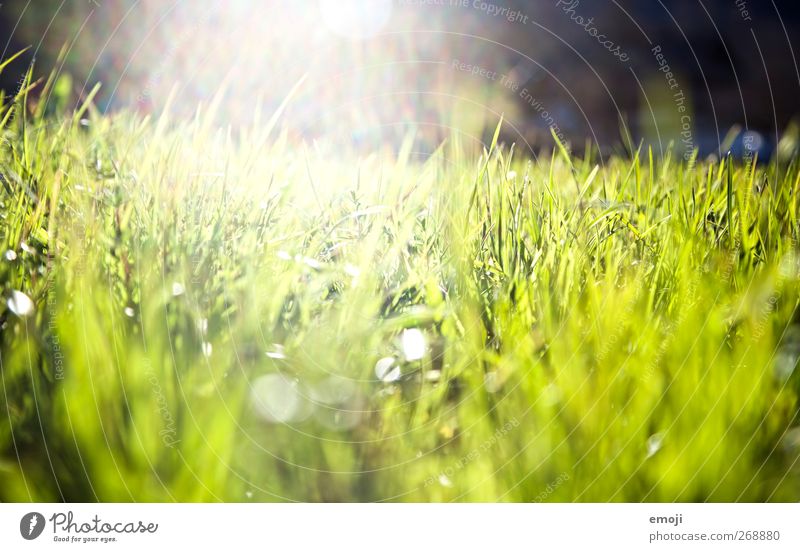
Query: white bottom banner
[{"x": 401, "y": 527}]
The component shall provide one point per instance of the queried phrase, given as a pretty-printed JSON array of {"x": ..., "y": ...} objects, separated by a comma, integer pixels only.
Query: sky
[{"x": 684, "y": 72}]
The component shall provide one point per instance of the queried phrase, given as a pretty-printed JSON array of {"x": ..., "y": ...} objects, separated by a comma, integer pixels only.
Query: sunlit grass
[{"x": 209, "y": 308}]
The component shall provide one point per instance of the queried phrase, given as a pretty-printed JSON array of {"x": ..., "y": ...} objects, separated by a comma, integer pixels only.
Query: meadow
[{"x": 196, "y": 313}]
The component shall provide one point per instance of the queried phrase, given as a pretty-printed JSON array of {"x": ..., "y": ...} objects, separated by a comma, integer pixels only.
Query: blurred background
[{"x": 681, "y": 72}]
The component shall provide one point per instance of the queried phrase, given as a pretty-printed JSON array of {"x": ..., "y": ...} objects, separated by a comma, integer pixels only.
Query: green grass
[{"x": 593, "y": 332}]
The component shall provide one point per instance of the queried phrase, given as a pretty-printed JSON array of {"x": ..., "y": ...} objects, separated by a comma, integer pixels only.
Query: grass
[{"x": 562, "y": 329}]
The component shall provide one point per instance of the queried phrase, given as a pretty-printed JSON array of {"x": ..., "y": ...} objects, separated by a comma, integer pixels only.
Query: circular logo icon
[{"x": 31, "y": 525}]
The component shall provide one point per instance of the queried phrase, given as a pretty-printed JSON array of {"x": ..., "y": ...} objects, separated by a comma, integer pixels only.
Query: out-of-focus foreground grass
[{"x": 199, "y": 314}]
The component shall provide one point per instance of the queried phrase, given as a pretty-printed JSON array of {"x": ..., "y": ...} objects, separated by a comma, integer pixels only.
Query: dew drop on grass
[
  {"x": 27, "y": 248},
  {"x": 177, "y": 289},
  {"x": 654, "y": 444},
  {"x": 334, "y": 390},
  {"x": 445, "y": 481},
  {"x": 413, "y": 344},
  {"x": 785, "y": 362},
  {"x": 340, "y": 419},
  {"x": 312, "y": 263},
  {"x": 492, "y": 382},
  {"x": 386, "y": 392},
  {"x": 791, "y": 439},
  {"x": 433, "y": 376},
  {"x": 207, "y": 349},
  {"x": 129, "y": 312},
  {"x": 551, "y": 395},
  {"x": 340, "y": 405},
  {"x": 352, "y": 271},
  {"x": 276, "y": 399},
  {"x": 202, "y": 326},
  {"x": 20, "y": 304},
  {"x": 387, "y": 370},
  {"x": 276, "y": 352},
  {"x": 283, "y": 255},
  {"x": 10, "y": 255}
]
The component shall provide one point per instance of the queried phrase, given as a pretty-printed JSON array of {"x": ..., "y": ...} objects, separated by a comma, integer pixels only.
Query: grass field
[{"x": 199, "y": 314}]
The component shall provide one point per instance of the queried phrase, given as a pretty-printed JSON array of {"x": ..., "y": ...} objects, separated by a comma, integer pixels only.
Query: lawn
[{"x": 196, "y": 313}]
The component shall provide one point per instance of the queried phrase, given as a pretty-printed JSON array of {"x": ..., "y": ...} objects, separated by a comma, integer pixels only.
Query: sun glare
[{"x": 356, "y": 18}]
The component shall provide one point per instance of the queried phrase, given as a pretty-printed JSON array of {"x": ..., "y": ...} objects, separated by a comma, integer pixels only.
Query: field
[{"x": 196, "y": 313}]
